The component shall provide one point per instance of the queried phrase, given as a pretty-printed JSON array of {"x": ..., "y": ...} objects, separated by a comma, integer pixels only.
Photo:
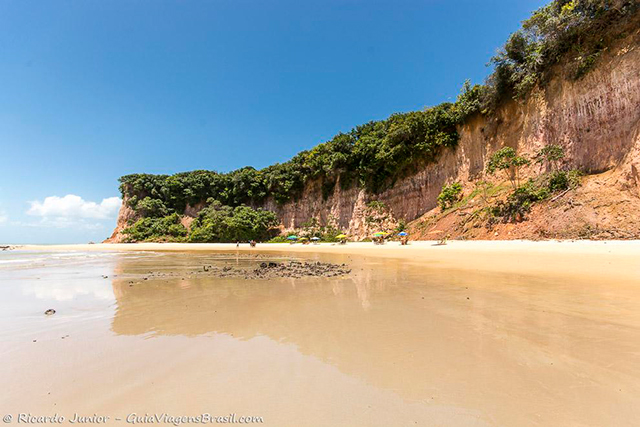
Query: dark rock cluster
[
  {"x": 264, "y": 270},
  {"x": 300, "y": 269}
]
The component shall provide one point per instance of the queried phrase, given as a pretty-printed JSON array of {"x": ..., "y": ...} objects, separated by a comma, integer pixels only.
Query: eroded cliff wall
[{"x": 596, "y": 119}]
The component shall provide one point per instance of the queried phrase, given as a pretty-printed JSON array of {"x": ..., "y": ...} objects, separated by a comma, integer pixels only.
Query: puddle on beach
[{"x": 393, "y": 343}]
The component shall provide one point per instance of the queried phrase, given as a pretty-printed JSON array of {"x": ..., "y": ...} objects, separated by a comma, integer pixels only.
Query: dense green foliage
[
  {"x": 575, "y": 31},
  {"x": 376, "y": 154},
  {"x": 215, "y": 223},
  {"x": 372, "y": 155},
  {"x": 449, "y": 195},
  {"x": 218, "y": 223},
  {"x": 166, "y": 228}
]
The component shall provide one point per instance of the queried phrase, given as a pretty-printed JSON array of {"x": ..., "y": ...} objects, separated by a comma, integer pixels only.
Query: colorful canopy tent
[
  {"x": 341, "y": 236},
  {"x": 402, "y": 233},
  {"x": 292, "y": 237},
  {"x": 379, "y": 234},
  {"x": 315, "y": 238}
]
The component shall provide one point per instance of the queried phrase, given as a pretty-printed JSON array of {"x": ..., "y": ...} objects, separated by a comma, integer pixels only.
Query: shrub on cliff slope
[
  {"x": 550, "y": 155},
  {"x": 449, "y": 195},
  {"x": 218, "y": 223},
  {"x": 523, "y": 197},
  {"x": 509, "y": 162}
]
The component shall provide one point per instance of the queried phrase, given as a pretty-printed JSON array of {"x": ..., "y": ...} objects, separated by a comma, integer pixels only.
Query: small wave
[
  {"x": 23, "y": 259},
  {"x": 19, "y": 260}
]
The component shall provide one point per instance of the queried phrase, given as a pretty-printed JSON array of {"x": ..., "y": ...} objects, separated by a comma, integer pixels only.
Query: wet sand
[
  {"x": 500, "y": 333},
  {"x": 584, "y": 259}
]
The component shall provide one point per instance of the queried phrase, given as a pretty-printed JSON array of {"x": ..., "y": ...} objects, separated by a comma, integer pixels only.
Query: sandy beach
[
  {"x": 476, "y": 163},
  {"x": 600, "y": 260},
  {"x": 467, "y": 334}
]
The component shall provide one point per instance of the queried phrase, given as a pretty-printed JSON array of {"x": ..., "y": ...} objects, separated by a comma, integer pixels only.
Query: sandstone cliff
[{"x": 596, "y": 119}]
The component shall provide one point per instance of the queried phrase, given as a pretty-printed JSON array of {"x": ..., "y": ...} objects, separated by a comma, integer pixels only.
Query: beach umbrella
[
  {"x": 304, "y": 238},
  {"x": 378, "y": 234},
  {"x": 315, "y": 238},
  {"x": 402, "y": 233},
  {"x": 292, "y": 237},
  {"x": 385, "y": 233},
  {"x": 341, "y": 236}
]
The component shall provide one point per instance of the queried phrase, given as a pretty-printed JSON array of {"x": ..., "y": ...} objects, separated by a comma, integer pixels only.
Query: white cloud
[{"x": 62, "y": 210}]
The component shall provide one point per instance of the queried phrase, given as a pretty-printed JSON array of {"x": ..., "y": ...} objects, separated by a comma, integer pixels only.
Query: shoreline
[
  {"x": 617, "y": 260},
  {"x": 576, "y": 246},
  {"x": 526, "y": 321}
]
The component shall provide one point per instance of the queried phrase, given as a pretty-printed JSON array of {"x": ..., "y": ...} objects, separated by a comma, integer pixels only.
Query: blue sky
[{"x": 92, "y": 90}]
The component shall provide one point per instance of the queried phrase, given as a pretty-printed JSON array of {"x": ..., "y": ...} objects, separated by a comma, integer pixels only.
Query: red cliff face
[
  {"x": 596, "y": 119},
  {"x": 125, "y": 215}
]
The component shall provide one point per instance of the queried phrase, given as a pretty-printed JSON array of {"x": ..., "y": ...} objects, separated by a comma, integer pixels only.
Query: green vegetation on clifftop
[
  {"x": 376, "y": 154},
  {"x": 372, "y": 155},
  {"x": 575, "y": 32}
]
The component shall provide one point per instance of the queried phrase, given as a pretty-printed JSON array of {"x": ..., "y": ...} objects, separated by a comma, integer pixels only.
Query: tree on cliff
[{"x": 507, "y": 160}]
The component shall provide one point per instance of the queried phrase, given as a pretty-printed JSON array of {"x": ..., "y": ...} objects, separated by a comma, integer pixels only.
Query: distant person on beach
[{"x": 444, "y": 239}]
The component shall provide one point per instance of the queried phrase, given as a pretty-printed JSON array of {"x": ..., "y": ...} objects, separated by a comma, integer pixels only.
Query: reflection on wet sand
[
  {"x": 397, "y": 342},
  {"x": 224, "y": 305},
  {"x": 483, "y": 343}
]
